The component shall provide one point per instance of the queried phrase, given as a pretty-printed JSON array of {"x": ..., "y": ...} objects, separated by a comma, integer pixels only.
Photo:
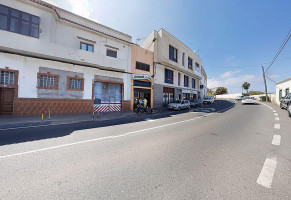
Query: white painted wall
[{"x": 282, "y": 86}]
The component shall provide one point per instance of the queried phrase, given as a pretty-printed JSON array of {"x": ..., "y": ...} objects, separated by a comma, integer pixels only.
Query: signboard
[
  {"x": 142, "y": 77},
  {"x": 201, "y": 86},
  {"x": 189, "y": 91}
]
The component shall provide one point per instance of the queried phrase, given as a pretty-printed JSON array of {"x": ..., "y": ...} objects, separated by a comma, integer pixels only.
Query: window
[
  {"x": 186, "y": 81},
  {"x": 47, "y": 81},
  {"x": 87, "y": 47},
  {"x": 19, "y": 22},
  {"x": 142, "y": 66},
  {"x": 172, "y": 53},
  {"x": 197, "y": 65},
  {"x": 179, "y": 79},
  {"x": 7, "y": 78},
  {"x": 168, "y": 76},
  {"x": 183, "y": 59},
  {"x": 193, "y": 83},
  {"x": 75, "y": 83},
  {"x": 287, "y": 91},
  {"x": 111, "y": 53},
  {"x": 190, "y": 63}
]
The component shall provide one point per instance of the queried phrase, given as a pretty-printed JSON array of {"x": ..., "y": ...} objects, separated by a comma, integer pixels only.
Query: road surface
[{"x": 223, "y": 151}]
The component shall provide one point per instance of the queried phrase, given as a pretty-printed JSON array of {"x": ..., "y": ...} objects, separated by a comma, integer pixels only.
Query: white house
[
  {"x": 52, "y": 59},
  {"x": 282, "y": 89},
  {"x": 177, "y": 69}
]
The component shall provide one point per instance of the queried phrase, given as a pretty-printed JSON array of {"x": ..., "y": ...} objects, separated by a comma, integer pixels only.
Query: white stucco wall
[{"x": 282, "y": 86}]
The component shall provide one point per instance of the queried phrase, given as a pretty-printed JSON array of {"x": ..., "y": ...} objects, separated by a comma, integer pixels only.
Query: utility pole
[{"x": 265, "y": 83}]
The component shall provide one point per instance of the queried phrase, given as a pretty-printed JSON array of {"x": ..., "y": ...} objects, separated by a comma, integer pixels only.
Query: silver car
[{"x": 179, "y": 104}]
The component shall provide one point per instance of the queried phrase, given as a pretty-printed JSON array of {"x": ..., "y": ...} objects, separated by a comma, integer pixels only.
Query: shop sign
[
  {"x": 189, "y": 91},
  {"x": 142, "y": 77}
]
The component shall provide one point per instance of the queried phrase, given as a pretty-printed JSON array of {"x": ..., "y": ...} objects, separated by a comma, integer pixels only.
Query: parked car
[
  {"x": 195, "y": 103},
  {"x": 286, "y": 101},
  {"x": 208, "y": 100},
  {"x": 179, "y": 104},
  {"x": 239, "y": 98},
  {"x": 289, "y": 110},
  {"x": 249, "y": 100}
]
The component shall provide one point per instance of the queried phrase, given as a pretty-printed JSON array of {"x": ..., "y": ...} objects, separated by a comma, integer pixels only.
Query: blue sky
[{"x": 234, "y": 37}]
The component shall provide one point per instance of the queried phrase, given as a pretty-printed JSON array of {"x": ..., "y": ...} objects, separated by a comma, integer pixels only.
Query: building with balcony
[
  {"x": 177, "y": 69},
  {"x": 52, "y": 59}
]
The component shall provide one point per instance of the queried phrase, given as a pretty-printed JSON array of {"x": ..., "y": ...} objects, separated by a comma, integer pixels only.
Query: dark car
[
  {"x": 286, "y": 101},
  {"x": 195, "y": 103}
]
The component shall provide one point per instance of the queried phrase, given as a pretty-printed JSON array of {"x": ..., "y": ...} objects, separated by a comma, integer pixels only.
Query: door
[{"x": 6, "y": 101}]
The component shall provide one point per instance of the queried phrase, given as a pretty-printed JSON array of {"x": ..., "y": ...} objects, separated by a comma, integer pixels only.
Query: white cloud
[
  {"x": 229, "y": 59},
  {"x": 81, "y": 7},
  {"x": 229, "y": 74},
  {"x": 274, "y": 76}
]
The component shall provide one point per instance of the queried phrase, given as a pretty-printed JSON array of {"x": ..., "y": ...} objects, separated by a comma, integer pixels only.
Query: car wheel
[
  {"x": 178, "y": 108},
  {"x": 281, "y": 105}
]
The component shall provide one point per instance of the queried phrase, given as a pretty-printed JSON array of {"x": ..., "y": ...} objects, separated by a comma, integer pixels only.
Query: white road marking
[
  {"x": 110, "y": 137},
  {"x": 274, "y": 111},
  {"x": 267, "y": 106},
  {"x": 277, "y": 119},
  {"x": 276, "y": 114},
  {"x": 266, "y": 176},
  {"x": 276, "y": 140},
  {"x": 277, "y": 126}
]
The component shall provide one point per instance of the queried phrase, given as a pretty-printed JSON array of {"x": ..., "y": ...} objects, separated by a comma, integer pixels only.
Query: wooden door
[{"x": 6, "y": 101}]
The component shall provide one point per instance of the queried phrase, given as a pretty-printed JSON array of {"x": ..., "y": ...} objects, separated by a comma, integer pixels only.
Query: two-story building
[
  {"x": 142, "y": 76},
  {"x": 177, "y": 68},
  {"x": 52, "y": 59}
]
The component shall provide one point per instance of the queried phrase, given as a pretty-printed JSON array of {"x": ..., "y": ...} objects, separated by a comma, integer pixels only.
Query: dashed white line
[
  {"x": 276, "y": 114},
  {"x": 276, "y": 140},
  {"x": 274, "y": 111},
  {"x": 277, "y": 126},
  {"x": 277, "y": 119},
  {"x": 265, "y": 178}
]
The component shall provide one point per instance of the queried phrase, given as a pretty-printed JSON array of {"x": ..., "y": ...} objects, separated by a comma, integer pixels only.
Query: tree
[
  {"x": 221, "y": 90},
  {"x": 255, "y": 93},
  {"x": 246, "y": 86}
]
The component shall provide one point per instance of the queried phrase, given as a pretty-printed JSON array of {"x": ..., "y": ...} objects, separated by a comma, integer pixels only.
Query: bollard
[
  {"x": 93, "y": 114},
  {"x": 49, "y": 112}
]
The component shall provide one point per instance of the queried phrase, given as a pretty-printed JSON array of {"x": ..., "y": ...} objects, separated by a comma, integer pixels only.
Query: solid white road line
[
  {"x": 277, "y": 126},
  {"x": 277, "y": 119},
  {"x": 110, "y": 137},
  {"x": 276, "y": 140},
  {"x": 266, "y": 176},
  {"x": 276, "y": 114}
]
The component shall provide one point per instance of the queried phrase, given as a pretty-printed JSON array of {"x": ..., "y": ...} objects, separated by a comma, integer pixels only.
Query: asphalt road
[{"x": 223, "y": 151}]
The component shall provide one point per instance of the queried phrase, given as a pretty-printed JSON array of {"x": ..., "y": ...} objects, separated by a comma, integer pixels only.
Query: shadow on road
[{"x": 15, "y": 136}]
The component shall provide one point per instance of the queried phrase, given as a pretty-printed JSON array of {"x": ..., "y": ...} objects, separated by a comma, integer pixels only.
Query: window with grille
[
  {"x": 75, "y": 84},
  {"x": 7, "y": 78},
  {"x": 46, "y": 81}
]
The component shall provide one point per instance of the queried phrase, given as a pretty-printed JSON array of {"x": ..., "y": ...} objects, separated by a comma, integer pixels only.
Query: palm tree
[{"x": 246, "y": 86}]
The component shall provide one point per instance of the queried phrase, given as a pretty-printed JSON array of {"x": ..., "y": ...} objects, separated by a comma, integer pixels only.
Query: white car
[
  {"x": 208, "y": 100},
  {"x": 239, "y": 98},
  {"x": 179, "y": 104},
  {"x": 249, "y": 100}
]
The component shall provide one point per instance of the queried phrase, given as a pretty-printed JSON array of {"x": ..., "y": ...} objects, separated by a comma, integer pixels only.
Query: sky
[{"x": 234, "y": 38}]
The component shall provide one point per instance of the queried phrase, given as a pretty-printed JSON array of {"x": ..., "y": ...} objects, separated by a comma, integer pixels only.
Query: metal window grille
[
  {"x": 47, "y": 81},
  {"x": 76, "y": 84},
  {"x": 7, "y": 78}
]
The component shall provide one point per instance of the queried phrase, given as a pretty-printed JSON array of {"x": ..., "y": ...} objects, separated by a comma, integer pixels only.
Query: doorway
[
  {"x": 6, "y": 101},
  {"x": 140, "y": 94}
]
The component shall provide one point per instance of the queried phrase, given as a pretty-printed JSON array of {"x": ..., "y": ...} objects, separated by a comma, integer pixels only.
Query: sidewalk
[{"x": 35, "y": 120}]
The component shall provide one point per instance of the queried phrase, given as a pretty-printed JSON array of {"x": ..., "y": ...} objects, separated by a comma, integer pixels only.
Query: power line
[
  {"x": 256, "y": 65},
  {"x": 280, "y": 49}
]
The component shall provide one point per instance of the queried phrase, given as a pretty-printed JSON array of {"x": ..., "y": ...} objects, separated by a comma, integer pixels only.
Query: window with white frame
[
  {"x": 7, "y": 78},
  {"x": 48, "y": 81}
]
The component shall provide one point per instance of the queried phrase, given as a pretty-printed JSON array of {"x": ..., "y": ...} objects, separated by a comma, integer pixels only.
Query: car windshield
[{"x": 178, "y": 101}]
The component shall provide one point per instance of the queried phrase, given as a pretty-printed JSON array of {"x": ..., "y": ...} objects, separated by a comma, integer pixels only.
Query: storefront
[
  {"x": 168, "y": 96},
  {"x": 189, "y": 94},
  {"x": 142, "y": 89}
]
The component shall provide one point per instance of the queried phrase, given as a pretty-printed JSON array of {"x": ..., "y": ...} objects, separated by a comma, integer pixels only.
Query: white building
[
  {"x": 52, "y": 59},
  {"x": 177, "y": 70},
  {"x": 282, "y": 89}
]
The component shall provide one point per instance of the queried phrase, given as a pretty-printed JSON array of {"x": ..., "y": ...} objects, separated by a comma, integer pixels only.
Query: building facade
[
  {"x": 282, "y": 89},
  {"x": 177, "y": 69},
  {"x": 142, "y": 80},
  {"x": 52, "y": 59}
]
